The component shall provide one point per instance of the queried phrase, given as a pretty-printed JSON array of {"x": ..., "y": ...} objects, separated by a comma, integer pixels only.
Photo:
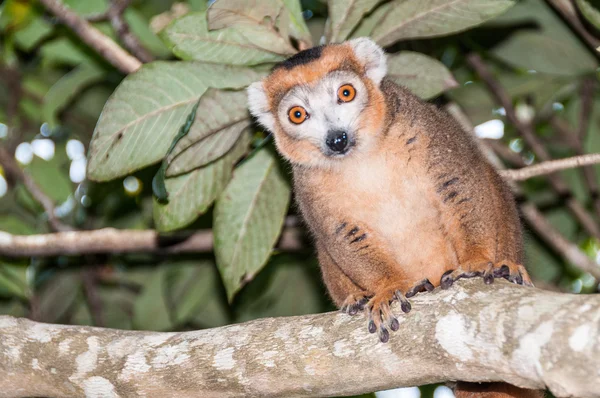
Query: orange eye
[
  {"x": 346, "y": 93},
  {"x": 297, "y": 114}
]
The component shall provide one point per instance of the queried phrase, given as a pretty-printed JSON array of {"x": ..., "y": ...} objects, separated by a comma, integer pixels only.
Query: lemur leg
[
  {"x": 364, "y": 259},
  {"x": 348, "y": 297}
]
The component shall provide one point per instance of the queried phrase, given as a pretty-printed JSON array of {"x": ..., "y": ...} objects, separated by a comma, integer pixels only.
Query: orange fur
[{"x": 414, "y": 200}]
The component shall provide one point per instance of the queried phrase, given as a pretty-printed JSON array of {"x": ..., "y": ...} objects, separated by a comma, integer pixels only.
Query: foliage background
[{"x": 65, "y": 111}]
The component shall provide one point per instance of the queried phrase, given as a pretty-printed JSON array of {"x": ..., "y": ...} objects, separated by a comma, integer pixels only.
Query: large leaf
[
  {"x": 298, "y": 28},
  {"x": 194, "y": 293},
  {"x": 430, "y": 18},
  {"x": 191, "y": 194},
  {"x": 67, "y": 88},
  {"x": 345, "y": 15},
  {"x": 245, "y": 44},
  {"x": 423, "y": 75},
  {"x": 591, "y": 13},
  {"x": 550, "y": 48},
  {"x": 220, "y": 118},
  {"x": 141, "y": 118},
  {"x": 248, "y": 218},
  {"x": 150, "y": 311},
  {"x": 369, "y": 22}
]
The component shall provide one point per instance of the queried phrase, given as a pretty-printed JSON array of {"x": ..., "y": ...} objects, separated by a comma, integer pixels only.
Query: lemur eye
[
  {"x": 297, "y": 114},
  {"x": 346, "y": 93}
]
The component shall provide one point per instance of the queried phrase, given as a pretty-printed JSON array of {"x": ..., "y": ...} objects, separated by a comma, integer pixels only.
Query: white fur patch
[
  {"x": 372, "y": 56},
  {"x": 258, "y": 104}
]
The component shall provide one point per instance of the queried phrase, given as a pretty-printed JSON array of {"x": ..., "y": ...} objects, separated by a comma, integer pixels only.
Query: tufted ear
[
  {"x": 258, "y": 103},
  {"x": 371, "y": 56}
]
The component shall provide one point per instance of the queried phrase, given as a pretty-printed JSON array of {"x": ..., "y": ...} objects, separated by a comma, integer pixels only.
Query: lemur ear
[
  {"x": 258, "y": 103},
  {"x": 371, "y": 56}
]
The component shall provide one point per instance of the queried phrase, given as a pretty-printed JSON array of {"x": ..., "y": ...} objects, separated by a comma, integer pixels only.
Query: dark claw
[
  {"x": 518, "y": 279},
  {"x": 372, "y": 327},
  {"x": 428, "y": 286},
  {"x": 503, "y": 272},
  {"x": 395, "y": 325},
  {"x": 353, "y": 309},
  {"x": 384, "y": 335},
  {"x": 488, "y": 278},
  {"x": 446, "y": 281},
  {"x": 405, "y": 306}
]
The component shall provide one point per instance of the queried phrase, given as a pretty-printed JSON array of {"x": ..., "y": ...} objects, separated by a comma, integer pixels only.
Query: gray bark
[{"x": 471, "y": 332}]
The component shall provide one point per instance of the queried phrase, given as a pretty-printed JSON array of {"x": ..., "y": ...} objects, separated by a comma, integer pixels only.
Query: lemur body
[{"x": 397, "y": 195}]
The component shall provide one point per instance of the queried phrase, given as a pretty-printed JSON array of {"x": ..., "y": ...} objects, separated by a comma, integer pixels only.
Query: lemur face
[
  {"x": 324, "y": 104},
  {"x": 326, "y": 113}
]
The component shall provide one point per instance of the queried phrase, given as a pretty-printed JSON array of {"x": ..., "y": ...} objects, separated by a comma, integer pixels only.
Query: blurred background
[{"x": 541, "y": 103}]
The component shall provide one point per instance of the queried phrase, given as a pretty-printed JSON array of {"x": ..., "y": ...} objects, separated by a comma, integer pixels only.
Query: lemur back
[{"x": 397, "y": 195}]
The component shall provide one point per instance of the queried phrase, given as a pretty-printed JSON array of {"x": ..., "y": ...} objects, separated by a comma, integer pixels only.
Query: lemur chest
[{"x": 397, "y": 201}]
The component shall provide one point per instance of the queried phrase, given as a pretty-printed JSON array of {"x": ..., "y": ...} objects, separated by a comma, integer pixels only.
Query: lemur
[{"x": 397, "y": 195}]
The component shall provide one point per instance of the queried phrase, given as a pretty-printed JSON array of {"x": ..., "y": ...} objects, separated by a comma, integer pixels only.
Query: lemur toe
[
  {"x": 424, "y": 285},
  {"x": 354, "y": 304}
]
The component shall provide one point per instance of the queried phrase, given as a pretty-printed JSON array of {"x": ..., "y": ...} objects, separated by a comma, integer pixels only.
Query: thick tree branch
[
  {"x": 471, "y": 332},
  {"x": 550, "y": 166},
  {"x": 114, "y": 54}
]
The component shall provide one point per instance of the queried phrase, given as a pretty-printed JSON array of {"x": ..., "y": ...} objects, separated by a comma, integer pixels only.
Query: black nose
[{"x": 337, "y": 141}]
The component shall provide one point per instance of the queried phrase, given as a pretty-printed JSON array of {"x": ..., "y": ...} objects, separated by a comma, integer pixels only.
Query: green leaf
[
  {"x": 67, "y": 88},
  {"x": 140, "y": 28},
  {"x": 431, "y": 18},
  {"x": 220, "y": 119},
  {"x": 557, "y": 50},
  {"x": 345, "y": 15},
  {"x": 194, "y": 293},
  {"x": 191, "y": 194},
  {"x": 276, "y": 290},
  {"x": 52, "y": 176},
  {"x": 249, "y": 215},
  {"x": 57, "y": 295},
  {"x": 298, "y": 28},
  {"x": 63, "y": 51},
  {"x": 141, "y": 118},
  {"x": 158, "y": 182},
  {"x": 13, "y": 281},
  {"x": 150, "y": 310},
  {"x": 245, "y": 44},
  {"x": 423, "y": 75},
  {"x": 591, "y": 13},
  {"x": 33, "y": 33},
  {"x": 540, "y": 52},
  {"x": 369, "y": 22}
]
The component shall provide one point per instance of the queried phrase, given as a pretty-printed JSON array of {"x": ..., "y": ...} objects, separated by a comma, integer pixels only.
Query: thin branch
[
  {"x": 109, "y": 240},
  {"x": 557, "y": 241},
  {"x": 528, "y": 134},
  {"x": 566, "y": 9},
  {"x": 129, "y": 40},
  {"x": 471, "y": 332},
  {"x": 14, "y": 172},
  {"x": 551, "y": 166},
  {"x": 114, "y": 54}
]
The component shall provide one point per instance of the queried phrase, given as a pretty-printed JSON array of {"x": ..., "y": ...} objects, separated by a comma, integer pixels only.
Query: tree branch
[
  {"x": 116, "y": 19},
  {"x": 528, "y": 134},
  {"x": 471, "y": 332},
  {"x": 566, "y": 9},
  {"x": 550, "y": 167},
  {"x": 114, "y": 54},
  {"x": 109, "y": 240}
]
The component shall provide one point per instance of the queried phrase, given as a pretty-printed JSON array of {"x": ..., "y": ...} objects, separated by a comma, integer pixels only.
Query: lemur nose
[{"x": 337, "y": 141}]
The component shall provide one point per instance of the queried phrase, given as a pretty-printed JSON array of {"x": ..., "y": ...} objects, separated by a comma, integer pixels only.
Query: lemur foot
[
  {"x": 380, "y": 314},
  {"x": 508, "y": 270},
  {"x": 421, "y": 286},
  {"x": 355, "y": 303}
]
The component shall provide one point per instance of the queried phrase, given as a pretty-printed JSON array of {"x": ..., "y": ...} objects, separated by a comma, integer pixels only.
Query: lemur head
[{"x": 323, "y": 104}]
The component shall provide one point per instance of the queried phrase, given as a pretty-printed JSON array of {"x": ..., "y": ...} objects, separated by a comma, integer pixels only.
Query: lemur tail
[{"x": 494, "y": 390}]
